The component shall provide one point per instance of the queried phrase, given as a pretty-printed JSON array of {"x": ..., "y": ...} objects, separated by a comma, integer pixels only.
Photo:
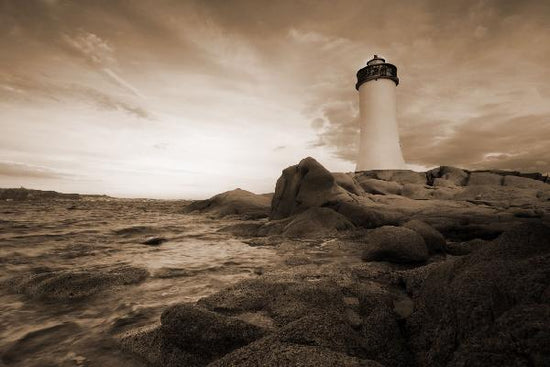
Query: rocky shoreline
[{"x": 381, "y": 268}]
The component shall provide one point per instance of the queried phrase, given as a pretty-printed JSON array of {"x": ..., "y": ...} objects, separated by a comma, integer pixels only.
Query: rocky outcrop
[
  {"x": 395, "y": 244},
  {"x": 237, "y": 202},
  {"x": 460, "y": 204},
  {"x": 488, "y": 308},
  {"x": 304, "y": 186}
]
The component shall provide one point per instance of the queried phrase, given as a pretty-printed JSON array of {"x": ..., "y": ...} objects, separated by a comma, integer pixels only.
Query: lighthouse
[{"x": 379, "y": 146}]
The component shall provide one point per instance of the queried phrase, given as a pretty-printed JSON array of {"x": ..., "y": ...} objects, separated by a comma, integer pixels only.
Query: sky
[{"x": 186, "y": 99}]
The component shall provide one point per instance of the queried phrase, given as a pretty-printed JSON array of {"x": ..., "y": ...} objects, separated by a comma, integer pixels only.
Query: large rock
[
  {"x": 190, "y": 336},
  {"x": 67, "y": 285},
  {"x": 303, "y": 186},
  {"x": 276, "y": 354},
  {"x": 284, "y": 302},
  {"x": 487, "y": 308},
  {"x": 204, "y": 332},
  {"x": 317, "y": 222},
  {"x": 236, "y": 202},
  {"x": 432, "y": 237},
  {"x": 395, "y": 244}
]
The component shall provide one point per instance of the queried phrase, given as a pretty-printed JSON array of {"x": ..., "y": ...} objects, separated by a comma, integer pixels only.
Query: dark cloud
[{"x": 490, "y": 141}]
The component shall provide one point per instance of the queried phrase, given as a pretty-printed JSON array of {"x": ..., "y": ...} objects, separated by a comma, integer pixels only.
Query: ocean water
[{"x": 95, "y": 237}]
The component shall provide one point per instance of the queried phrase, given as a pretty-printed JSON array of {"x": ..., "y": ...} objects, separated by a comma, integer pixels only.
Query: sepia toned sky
[{"x": 185, "y": 99}]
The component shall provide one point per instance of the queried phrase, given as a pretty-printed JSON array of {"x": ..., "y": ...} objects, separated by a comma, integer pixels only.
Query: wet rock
[
  {"x": 154, "y": 241},
  {"x": 190, "y": 336},
  {"x": 303, "y": 186},
  {"x": 379, "y": 187},
  {"x": 65, "y": 285},
  {"x": 317, "y": 222},
  {"x": 158, "y": 351},
  {"x": 484, "y": 178},
  {"x": 35, "y": 341},
  {"x": 432, "y": 237},
  {"x": 395, "y": 244},
  {"x": 204, "y": 332},
  {"x": 474, "y": 310},
  {"x": 236, "y": 202},
  {"x": 274, "y": 354}
]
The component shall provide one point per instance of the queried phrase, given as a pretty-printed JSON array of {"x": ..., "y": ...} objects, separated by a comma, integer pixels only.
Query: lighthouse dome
[{"x": 376, "y": 60}]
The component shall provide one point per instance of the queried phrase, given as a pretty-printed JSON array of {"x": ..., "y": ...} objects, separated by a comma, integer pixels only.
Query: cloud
[
  {"x": 22, "y": 170},
  {"x": 27, "y": 89},
  {"x": 488, "y": 141},
  {"x": 99, "y": 53}
]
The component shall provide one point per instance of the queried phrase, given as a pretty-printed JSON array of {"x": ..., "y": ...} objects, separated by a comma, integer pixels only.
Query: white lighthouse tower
[{"x": 379, "y": 146}]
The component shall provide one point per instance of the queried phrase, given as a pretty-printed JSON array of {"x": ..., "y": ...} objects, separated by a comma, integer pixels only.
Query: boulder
[
  {"x": 67, "y": 285},
  {"x": 190, "y": 336},
  {"x": 484, "y": 178},
  {"x": 204, "y": 332},
  {"x": 432, "y": 237},
  {"x": 236, "y": 202},
  {"x": 395, "y": 244},
  {"x": 305, "y": 186},
  {"x": 317, "y": 222},
  {"x": 379, "y": 187},
  {"x": 489, "y": 307}
]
